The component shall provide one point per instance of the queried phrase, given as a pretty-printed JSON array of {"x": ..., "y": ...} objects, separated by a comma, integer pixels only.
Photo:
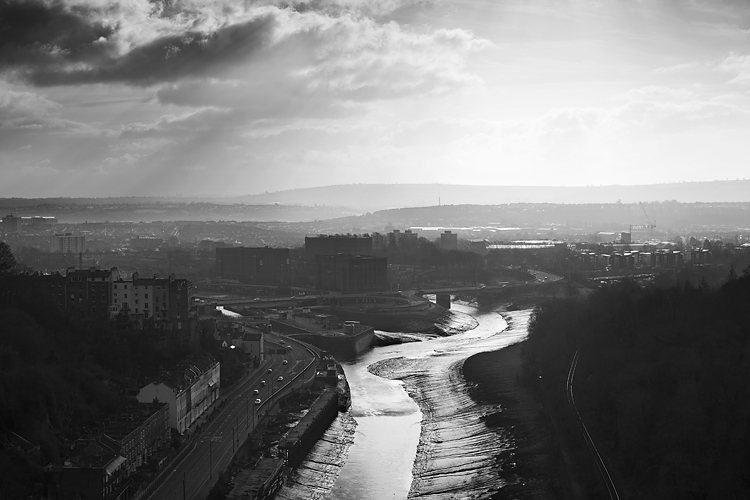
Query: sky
[{"x": 227, "y": 97}]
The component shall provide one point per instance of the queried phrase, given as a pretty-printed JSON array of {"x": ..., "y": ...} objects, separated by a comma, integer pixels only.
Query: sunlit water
[{"x": 413, "y": 431}]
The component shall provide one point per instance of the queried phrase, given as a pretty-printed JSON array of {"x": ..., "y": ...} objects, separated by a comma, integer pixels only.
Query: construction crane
[{"x": 651, "y": 225}]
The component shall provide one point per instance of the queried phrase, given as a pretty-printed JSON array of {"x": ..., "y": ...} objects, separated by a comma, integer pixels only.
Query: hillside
[{"x": 371, "y": 197}]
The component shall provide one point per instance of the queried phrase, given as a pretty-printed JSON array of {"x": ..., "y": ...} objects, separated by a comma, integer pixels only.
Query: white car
[
  {"x": 257, "y": 401},
  {"x": 285, "y": 362},
  {"x": 280, "y": 379},
  {"x": 256, "y": 391}
]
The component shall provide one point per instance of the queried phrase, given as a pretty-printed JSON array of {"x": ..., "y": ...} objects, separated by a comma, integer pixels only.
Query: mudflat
[{"x": 529, "y": 468}]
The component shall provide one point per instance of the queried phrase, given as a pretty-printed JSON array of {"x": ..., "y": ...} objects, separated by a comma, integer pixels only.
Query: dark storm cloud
[
  {"x": 51, "y": 45},
  {"x": 43, "y": 34}
]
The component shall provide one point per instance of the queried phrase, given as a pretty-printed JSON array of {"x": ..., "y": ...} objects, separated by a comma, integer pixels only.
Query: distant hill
[{"x": 371, "y": 197}]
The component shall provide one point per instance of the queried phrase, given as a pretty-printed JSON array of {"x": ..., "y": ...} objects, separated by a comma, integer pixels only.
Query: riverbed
[{"x": 413, "y": 431}]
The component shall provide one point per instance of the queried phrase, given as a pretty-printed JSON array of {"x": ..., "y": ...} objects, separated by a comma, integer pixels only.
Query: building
[
  {"x": 68, "y": 243},
  {"x": 396, "y": 237},
  {"x": 96, "y": 471},
  {"x": 208, "y": 247},
  {"x": 11, "y": 224},
  {"x": 478, "y": 246},
  {"x": 251, "y": 343},
  {"x": 350, "y": 244},
  {"x": 145, "y": 242},
  {"x": 39, "y": 222},
  {"x": 165, "y": 302},
  {"x": 260, "y": 265},
  {"x": 81, "y": 291},
  {"x": 351, "y": 273},
  {"x": 140, "y": 431},
  {"x": 449, "y": 240},
  {"x": 188, "y": 389}
]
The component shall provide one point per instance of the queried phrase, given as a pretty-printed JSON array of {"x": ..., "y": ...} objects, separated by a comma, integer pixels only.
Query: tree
[{"x": 7, "y": 260}]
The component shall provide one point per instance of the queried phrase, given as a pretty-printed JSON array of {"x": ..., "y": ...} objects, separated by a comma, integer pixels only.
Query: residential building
[
  {"x": 68, "y": 243},
  {"x": 352, "y": 273},
  {"x": 163, "y": 301},
  {"x": 140, "y": 432},
  {"x": 261, "y": 265},
  {"x": 188, "y": 389},
  {"x": 96, "y": 471},
  {"x": 449, "y": 240},
  {"x": 82, "y": 291},
  {"x": 396, "y": 237},
  {"x": 11, "y": 224}
]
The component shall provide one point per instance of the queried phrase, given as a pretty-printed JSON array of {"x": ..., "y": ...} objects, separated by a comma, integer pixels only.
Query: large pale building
[
  {"x": 164, "y": 301},
  {"x": 189, "y": 389}
]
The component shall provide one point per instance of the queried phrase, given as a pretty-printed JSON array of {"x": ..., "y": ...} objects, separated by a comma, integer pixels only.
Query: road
[{"x": 215, "y": 445}]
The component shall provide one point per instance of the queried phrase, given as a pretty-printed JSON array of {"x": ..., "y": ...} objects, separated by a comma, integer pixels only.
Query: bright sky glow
[{"x": 220, "y": 97}]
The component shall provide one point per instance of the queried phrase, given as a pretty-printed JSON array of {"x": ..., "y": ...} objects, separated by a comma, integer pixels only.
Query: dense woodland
[{"x": 663, "y": 382}]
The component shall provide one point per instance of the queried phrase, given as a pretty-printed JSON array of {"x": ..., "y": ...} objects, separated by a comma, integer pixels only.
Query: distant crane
[{"x": 651, "y": 225}]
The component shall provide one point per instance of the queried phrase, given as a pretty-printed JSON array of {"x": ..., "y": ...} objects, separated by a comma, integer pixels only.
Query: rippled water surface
[{"x": 413, "y": 431}]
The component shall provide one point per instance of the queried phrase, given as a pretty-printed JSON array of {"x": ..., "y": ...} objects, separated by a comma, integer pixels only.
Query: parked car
[
  {"x": 257, "y": 401},
  {"x": 270, "y": 370},
  {"x": 256, "y": 391},
  {"x": 280, "y": 379},
  {"x": 262, "y": 383},
  {"x": 285, "y": 362}
]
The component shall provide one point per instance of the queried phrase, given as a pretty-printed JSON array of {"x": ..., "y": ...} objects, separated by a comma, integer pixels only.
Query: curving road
[{"x": 215, "y": 445}]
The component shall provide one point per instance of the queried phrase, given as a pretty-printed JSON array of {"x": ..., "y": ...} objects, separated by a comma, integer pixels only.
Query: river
[{"x": 412, "y": 430}]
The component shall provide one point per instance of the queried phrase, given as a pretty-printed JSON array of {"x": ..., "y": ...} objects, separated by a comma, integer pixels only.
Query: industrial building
[
  {"x": 261, "y": 265},
  {"x": 351, "y": 273},
  {"x": 350, "y": 244}
]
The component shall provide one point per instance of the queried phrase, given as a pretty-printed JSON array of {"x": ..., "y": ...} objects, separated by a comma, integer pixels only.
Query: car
[
  {"x": 256, "y": 391},
  {"x": 270, "y": 370},
  {"x": 257, "y": 401},
  {"x": 285, "y": 362},
  {"x": 282, "y": 342},
  {"x": 280, "y": 379},
  {"x": 262, "y": 383},
  {"x": 257, "y": 299}
]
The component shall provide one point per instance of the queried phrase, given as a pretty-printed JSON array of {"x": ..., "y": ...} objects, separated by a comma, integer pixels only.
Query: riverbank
[{"x": 529, "y": 467}]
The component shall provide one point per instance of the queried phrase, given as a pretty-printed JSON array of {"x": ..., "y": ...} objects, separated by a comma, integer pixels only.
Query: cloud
[
  {"x": 737, "y": 64},
  {"x": 140, "y": 42}
]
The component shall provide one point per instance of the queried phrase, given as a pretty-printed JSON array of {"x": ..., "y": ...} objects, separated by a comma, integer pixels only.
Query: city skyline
[{"x": 227, "y": 99}]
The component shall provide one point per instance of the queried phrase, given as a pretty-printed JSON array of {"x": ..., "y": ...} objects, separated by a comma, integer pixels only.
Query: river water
[{"x": 412, "y": 430}]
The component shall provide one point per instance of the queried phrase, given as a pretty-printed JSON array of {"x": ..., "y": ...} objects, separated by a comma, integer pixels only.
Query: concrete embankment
[{"x": 300, "y": 439}]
